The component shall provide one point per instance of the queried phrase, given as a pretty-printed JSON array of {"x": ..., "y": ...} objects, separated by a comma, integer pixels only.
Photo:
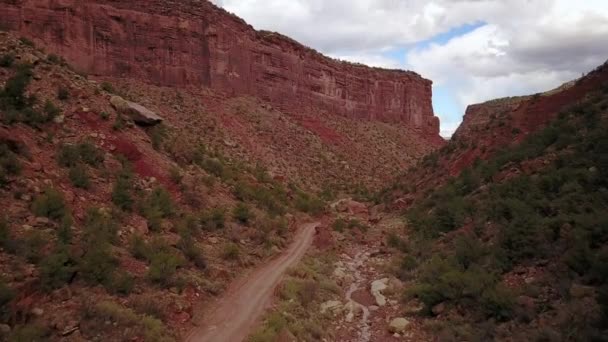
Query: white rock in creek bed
[
  {"x": 377, "y": 287},
  {"x": 332, "y": 305},
  {"x": 398, "y": 325}
]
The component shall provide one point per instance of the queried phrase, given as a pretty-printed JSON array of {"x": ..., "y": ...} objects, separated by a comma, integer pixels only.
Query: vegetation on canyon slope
[
  {"x": 96, "y": 233},
  {"x": 516, "y": 245}
]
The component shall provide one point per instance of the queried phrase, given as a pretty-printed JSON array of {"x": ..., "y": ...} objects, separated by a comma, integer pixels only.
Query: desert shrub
[
  {"x": 16, "y": 106},
  {"x": 29, "y": 332},
  {"x": 105, "y": 116},
  {"x": 79, "y": 177},
  {"x": 31, "y": 246},
  {"x": 157, "y": 134},
  {"x": 269, "y": 199},
  {"x": 175, "y": 174},
  {"x": 160, "y": 199},
  {"x": 120, "y": 283},
  {"x": 63, "y": 93},
  {"x": 148, "y": 305},
  {"x": 7, "y": 241},
  {"x": 57, "y": 269},
  {"x": 51, "y": 110},
  {"x": 122, "y": 189},
  {"x": 163, "y": 266},
  {"x": 9, "y": 164},
  {"x": 119, "y": 122},
  {"x": 107, "y": 87},
  {"x": 6, "y": 296},
  {"x": 498, "y": 302},
  {"x": 134, "y": 325},
  {"x": 139, "y": 248},
  {"x": 339, "y": 225},
  {"x": 192, "y": 252},
  {"x": 27, "y": 42},
  {"x": 309, "y": 204},
  {"x": 50, "y": 204},
  {"x": 99, "y": 226},
  {"x": 98, "y": 264},
  {"x": 231, "y": 251},
  {"x": 84, "y": 152},
  {"x": 242, "y": 213},
  {"x": 7, "y": 60},
  {"x": 54, "y": 59},
  {"x": 213, "y": 219}
]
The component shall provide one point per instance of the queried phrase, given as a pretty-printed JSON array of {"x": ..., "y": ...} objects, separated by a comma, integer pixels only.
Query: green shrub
[
  {"x": 51, "y": 110},
  {"x": 148, "y": 305},
  {"x": 107, "y": 87},
  {"x": 29, "y": 333},
  {"x": 99, "y": 226},
  {"x": 84, "y": 152},
  {"x": 27, "y": 42},
  {"x": 498, "y": 302},
  {"x": 7, "y": 60},
  {"x": 50, "y": 204},
  {"x": 163, "y": 266},
  {"x": 157, "y": 134},
  {"x": 63, "y": 94},
  {"x": 120, "y": 283},
  {"x": 161, "y": 200},
  {"x": 213, "y": 219},
  {"x": 105, "y": 116},
  {"x": 188, "y": 246},
  {"x": 98, "y": 264},
  {"x": 231, "y": 251},
  {"x": 175, "y": 174},
  {"x": 16, "y": 106},
  {"x": 242, "y": 213},
  {"x": 79, "y": 177},
  {"x": 339, "y": 225},
  {"x": 119, "y": 122},
  {"x": 139, "y": 248},
  {"x": 121, "y": 191},
  {"x": 309, "y": 203},
  {"x": 6, "y": 296},
  {"x": 54, "y": 59},
  {"x": 7, "y": 241},
  {"x": 57, "y": 269},
  {"x": 9, "y": 164},
  {"x": 31, "y": 246}
]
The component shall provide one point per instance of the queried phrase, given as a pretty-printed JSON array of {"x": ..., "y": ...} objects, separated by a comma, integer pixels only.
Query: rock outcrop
[
  {"x": 194, "y": 43},
  {"x": 138, "y": 113}
]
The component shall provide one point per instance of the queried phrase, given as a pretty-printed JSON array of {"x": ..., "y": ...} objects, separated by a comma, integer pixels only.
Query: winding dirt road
[{"x": 232, "y": 317}]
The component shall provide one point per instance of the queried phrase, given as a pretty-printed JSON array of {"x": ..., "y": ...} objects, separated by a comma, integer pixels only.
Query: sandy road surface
[{"x": 232, "y": 317}]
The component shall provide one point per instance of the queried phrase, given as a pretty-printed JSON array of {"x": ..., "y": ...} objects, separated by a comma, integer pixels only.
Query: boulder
[
  {"x": 331, "y": 305},
  {"x": 398, "y": 325},
  {"x": 376, "y": 289},
  {"x": 140, "y": 114},
  {"x": 581, "y": 291}
]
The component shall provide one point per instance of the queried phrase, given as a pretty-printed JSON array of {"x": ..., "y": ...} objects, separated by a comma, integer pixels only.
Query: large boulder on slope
[{"x": 140, "y": 114}]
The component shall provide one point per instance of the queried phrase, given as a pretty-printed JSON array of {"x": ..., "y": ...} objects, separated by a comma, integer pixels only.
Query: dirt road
[{"x": 232, "y": 317}]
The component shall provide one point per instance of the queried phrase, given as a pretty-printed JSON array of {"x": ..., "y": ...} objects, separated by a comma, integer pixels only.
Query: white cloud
[
  {"x": 527, "y": 46},
  {"x": 519, "y": 57}
]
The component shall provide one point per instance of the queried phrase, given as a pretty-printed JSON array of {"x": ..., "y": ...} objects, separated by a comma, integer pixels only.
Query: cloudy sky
[{"x": 473, "y": 50}]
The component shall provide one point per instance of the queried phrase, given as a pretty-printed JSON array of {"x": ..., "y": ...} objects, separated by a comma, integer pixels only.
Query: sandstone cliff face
[{"x": 194, "y": 43}]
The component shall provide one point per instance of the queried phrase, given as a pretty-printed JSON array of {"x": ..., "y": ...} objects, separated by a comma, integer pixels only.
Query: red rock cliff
[{"x": 194, "y": 43}]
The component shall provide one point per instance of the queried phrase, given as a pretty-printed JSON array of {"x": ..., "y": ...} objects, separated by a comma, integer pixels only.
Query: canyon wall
[{"x": 194, "y": 43}]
